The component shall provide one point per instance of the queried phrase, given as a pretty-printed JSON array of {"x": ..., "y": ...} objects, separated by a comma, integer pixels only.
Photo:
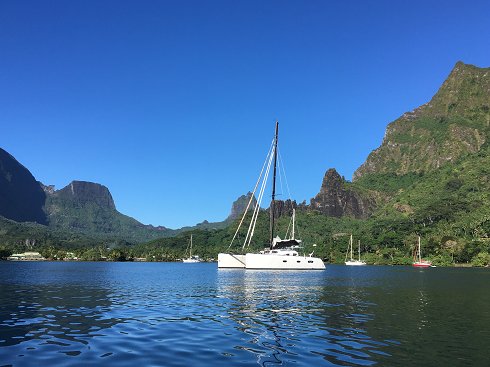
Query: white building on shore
[{"x": 26, "y": 256}]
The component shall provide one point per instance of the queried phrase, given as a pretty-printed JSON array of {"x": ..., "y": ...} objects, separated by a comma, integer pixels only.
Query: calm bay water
[{"x": 173, "y": 314}]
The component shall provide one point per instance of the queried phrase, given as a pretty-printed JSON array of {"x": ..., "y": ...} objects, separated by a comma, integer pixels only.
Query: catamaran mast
[{"x": 274, "y": 185}]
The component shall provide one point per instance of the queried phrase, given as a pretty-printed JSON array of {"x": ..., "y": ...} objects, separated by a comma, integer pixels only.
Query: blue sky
[{"x": 171, "y": 104}]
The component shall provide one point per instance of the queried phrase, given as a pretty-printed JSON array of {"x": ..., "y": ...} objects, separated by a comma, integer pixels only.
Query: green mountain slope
[
  {"x": 82, "y": 207},
  {"x": 455, "y": 122},
  {"x": 28, "y": 236},
  {"x": 88, "y": 208},
  {"x": 430, "y": 177},
  {"x": 450, "y": 207}
]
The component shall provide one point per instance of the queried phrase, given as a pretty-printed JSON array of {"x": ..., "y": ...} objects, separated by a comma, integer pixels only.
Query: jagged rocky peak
[
  {"x": 466, "y": 91},
  {"x": 453, "y": 123},
  {"x": 83, "y": 192},
  {"x": 239, "y": 205},
  {"x": 156, "y": 228},
  {"x": 48, "y": 189},
  {"x": 336, "y": 199},
  {"x": 332, "y": 181},
  {"x": 285, "y": 207}
]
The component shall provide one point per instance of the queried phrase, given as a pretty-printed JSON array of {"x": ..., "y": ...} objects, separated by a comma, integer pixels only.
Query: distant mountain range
[
  {"x": 432, "y": 168},
  {"x": 81, "y": 207}
]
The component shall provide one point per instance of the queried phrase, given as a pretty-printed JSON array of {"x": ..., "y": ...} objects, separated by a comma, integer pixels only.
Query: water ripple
[{"x": 69, "y": 314}]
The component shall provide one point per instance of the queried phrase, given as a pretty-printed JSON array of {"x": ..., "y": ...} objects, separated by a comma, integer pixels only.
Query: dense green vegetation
[
  {"x": 454, "y": 123},
  {"x": 98, "y": 221},
  {"x": 449, "y": 208},
  {"x": 388, "y": 183},
  {"x": 430, "y": 178},
  {"x": 19, "y": 237}
]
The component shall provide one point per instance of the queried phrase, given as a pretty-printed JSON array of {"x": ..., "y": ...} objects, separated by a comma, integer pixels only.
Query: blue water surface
[{"x": 175, "y": 314}]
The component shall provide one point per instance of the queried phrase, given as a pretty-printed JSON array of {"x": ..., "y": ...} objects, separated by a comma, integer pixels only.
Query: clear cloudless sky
[{"x": 171, "y": 104}]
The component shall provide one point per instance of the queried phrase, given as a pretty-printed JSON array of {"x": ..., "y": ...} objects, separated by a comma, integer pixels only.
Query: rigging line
[
  {"x": 256, "y": 207},
  {"x": 252, "y": 196},
  {"x": 252, "y": 220},
  {"x": 297, "y": 229},
  {"x": 281, "y": 164},
  {"x": 261, "y": 195},
  {"x": 284, "y": 173},
  {"x": 289, "y": 226},
  {"x": 251, "y": 227}
]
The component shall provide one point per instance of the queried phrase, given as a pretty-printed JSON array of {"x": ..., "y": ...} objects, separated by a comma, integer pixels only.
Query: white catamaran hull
[
  {"x": 231, "y": 261},
  {"x": 269, "y": 262}
]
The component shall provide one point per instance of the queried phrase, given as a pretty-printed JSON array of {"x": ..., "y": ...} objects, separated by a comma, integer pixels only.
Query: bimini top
[{"x": 277, "y": 243}]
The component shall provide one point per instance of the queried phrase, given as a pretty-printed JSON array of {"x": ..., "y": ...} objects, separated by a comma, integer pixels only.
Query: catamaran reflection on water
[{"x": 281, "y": 254}]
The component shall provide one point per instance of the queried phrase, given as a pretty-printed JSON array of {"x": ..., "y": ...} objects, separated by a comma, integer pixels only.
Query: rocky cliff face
[
  {"x": 83, "y": 192},
  {"x": 89, "y": 208},
  {"x": 285, "y": 207},
  {"x": 21, "y": 196},
  {"x": 84, "y": 207},
  {"x": 455, "y": 122},
  {"x": 239, "y": 205},
  {"x": 336, "y": 198}
]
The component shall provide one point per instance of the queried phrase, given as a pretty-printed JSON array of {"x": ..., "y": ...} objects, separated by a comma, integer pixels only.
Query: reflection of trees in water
[
  {"x": 348, "y": 310},
  {"x": 290, "y": 317},
  {"x": 439, "y": 316},
  {"x": 57, "y": 314}
]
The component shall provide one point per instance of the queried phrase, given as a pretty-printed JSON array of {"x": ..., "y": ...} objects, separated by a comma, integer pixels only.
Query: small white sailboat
[
  {"x": 418, "y": 262},
  {"x": 280, "y": 254},
  {"x": 191, "y": 258},
  {"x": 352, "y": 261}
]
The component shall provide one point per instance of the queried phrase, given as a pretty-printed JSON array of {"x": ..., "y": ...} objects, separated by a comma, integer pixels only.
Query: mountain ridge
[
  {"x": 21, "y": 196},
  {"x": 429, "y": 178},
  {"x": 454, "y": 122}
]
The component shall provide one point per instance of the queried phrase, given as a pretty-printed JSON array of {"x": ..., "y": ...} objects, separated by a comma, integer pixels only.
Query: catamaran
[
  {"x": 418, "y": 262},
  {"x": 352, "y": 261},
  {"x": 191, "y": 258},
  {"x": 281, "y": 254}
]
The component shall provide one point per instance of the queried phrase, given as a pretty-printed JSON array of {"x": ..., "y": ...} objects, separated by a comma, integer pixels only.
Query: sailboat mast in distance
[{"x": 274, "y": 185}]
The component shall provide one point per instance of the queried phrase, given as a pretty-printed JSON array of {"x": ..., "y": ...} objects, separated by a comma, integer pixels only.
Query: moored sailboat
[
  {"x": 418, "y": 262},
  {"x": 280, "y": 254},
  {"x": 191, "y": 258},
  {"x": 352, "y": 261}
]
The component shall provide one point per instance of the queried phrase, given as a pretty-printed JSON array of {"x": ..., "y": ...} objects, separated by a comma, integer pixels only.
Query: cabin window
[
  {"x": 287, "y": 254},
  {"x": 310, "y": 261},
  {"x": 284, "y": 261},
  {"x": 295, "y": 254},
  {"x": 298, "y": 261}
]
